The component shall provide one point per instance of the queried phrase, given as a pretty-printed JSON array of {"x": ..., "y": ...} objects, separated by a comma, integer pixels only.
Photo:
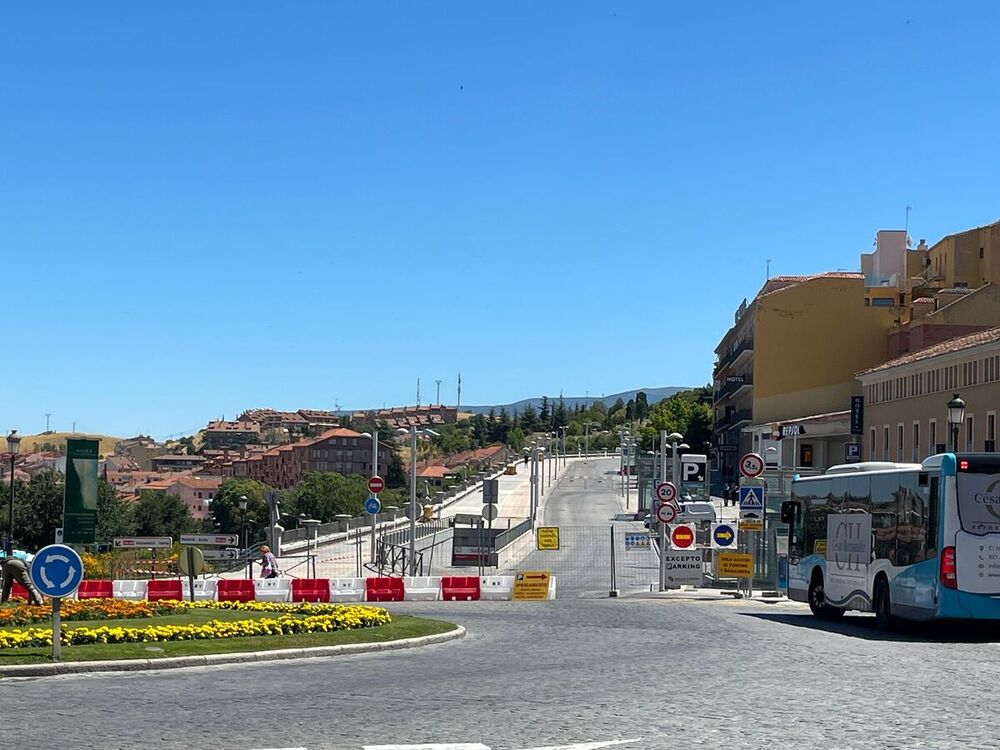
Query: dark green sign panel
[{"x": 80, "y": 499}]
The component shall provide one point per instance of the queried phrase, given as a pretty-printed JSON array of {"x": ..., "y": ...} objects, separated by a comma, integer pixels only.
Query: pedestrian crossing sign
[{"x": 752, "y": 498}]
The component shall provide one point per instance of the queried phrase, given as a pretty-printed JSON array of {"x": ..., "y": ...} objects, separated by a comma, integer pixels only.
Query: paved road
[{"x": 673, "y": 673}]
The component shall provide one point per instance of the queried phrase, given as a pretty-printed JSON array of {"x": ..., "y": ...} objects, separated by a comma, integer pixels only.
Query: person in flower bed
[{"x": 16, "y": 569}]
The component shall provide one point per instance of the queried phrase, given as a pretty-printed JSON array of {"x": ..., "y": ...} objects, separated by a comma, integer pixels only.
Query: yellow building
[{"x": 793, "y": 353}]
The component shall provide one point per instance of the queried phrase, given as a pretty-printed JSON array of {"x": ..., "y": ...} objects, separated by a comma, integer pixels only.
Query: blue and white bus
[{"x": 911, "y": 541}]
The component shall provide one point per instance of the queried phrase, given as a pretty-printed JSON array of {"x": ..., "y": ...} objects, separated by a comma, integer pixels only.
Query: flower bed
[{"x": 294, "y": 618}]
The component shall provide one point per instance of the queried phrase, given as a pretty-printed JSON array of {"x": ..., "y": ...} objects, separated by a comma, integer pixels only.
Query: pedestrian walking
[
  {"x": 16, "y": 569},
  {"x": 268, "y": 562},
  {"x": 726, "y": 494}
]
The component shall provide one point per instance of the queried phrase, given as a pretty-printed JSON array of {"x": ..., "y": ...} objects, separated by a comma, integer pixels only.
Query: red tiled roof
[
  {"x": 989, "y": 336},
  {"x": 434, "y": 472}
]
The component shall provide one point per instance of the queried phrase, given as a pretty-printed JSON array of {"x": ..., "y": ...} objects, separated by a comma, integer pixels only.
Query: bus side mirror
[{"x": 789, "y": 512}]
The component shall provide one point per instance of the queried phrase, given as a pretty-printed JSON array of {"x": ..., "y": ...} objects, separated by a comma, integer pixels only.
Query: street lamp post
[
  {"x": 956, "y": 416},
  {"x": 13, "y": 444},
  {"x": 243, "y": 502}
]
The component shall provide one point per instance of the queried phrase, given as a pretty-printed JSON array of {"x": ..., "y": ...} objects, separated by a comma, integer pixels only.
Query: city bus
[{"x": 905, "y": 541}]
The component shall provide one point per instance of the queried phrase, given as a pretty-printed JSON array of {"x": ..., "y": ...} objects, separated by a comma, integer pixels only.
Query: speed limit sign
[
  {"x": 751, "y": 465},
  {"x": 666, "y": 492},
  {"x": 666, "y": 512}
]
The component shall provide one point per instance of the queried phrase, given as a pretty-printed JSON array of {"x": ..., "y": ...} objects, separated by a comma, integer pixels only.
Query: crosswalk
[{"x": 598, "y": 745}]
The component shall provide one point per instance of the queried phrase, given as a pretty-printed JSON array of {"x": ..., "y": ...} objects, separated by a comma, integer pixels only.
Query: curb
[{"x": 179, "y": 662}]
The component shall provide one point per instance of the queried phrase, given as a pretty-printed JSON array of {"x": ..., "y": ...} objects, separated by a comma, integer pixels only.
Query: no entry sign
[
  {"x": 376, "y": 484},
  {"x": 682, "y": 536}
]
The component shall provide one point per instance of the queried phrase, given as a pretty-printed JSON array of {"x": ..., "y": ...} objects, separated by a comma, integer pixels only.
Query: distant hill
[
  {"x": 652, "y": 394},
  {"x": 31, "y": 443}
]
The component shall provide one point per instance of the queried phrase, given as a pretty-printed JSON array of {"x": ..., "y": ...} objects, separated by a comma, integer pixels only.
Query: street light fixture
[
  {"x": 243, "y": 502},
  {"x": 956, "y": 416},
  {"x": 13, "y": 444}
]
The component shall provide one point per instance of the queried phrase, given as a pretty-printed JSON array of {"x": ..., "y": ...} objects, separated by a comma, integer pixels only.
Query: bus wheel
[
  {"x": 817, "y": 600},
  {"x": 881, "y": 604}
]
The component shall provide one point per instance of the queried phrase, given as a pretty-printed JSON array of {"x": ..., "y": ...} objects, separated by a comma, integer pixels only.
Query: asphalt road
[{"x": 666, "y": 673}]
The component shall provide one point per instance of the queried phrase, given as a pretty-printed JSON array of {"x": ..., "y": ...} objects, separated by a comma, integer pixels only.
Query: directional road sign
[
  {"x": 57, "y": 570},
  {"x": 221, "y": 540},
  {"x": 682, "y": 536},
  {"x": 666, "y": 512},
  {"x": 723, "y": 536},
  {"x": 230, "y": 553},
  {"x": 751, "y": 465},
  {"x": 752, "y": 499},
  {"x": 372, "y": 505},
  {"x": 666, "y": 492},
  {"x": 376, "y": 484},
  {"x": 142, "y": 542}
]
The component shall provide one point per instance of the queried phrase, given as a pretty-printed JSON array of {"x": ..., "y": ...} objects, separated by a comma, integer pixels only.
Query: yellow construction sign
[
  {"x": 751, "y": 524},
  {"x": 548, "y": 537},
  {"x": 531, "y": 586},
  {"x": 734, "y": 565}
]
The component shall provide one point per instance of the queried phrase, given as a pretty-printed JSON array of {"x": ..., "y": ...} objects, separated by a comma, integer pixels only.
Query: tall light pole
[
  {"x": 13, "y": 444},
  {"x": 243, "y": 502},
  {"x": 413, "y": 501},
  {"x": 956, "y": 416},
  {"x": 438, "y": 391}
]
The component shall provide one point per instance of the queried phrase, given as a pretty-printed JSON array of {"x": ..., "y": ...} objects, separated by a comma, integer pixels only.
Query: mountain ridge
[{"x": 652, "y": 395}]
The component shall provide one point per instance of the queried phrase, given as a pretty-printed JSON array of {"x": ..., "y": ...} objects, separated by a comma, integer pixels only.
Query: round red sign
[
  {"x": 376, "y": 485},
  {"x": 682, "y": 537}
]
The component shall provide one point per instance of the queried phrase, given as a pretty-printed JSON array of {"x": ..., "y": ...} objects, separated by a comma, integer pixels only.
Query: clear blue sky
[{"x": 210, "y": 206}]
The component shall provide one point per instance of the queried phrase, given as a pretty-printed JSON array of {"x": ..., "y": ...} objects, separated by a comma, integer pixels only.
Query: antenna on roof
[
  {"x": 418, "y": 391},
  {"x": 768, "y": 268},
  {"x": 459, "y": 402}
]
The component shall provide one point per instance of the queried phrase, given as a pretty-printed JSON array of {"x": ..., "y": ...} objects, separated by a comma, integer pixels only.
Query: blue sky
[{"x": 209, "y": 207}]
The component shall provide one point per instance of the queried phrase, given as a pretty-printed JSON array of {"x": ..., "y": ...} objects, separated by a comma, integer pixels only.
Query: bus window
[
  {"x": 911, "y": 539},
  {"x": 815, "y": 509},
  {"x": 859, "y": 493},
  {"x": 796, "y": 547},
  {"x": 885, "y": 513}
]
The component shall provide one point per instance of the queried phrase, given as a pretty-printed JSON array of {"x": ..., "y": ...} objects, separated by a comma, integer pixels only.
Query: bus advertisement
[{"x": 905, "y": 541}]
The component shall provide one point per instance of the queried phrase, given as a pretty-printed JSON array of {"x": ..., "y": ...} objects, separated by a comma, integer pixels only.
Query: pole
[
  {"x": 533, "y": 496},
  {"x": 358, "y": 546},
  {"x": 413, "y": 500},
  {"x": 56, "y": 629},
  {"x": 541, "y": 474},
  {"x": 374, "y": 471},
  {"x": 663, "y": 555},
  {"x": 614, "y": 573},
  {"x": 663, "y": 455},
  {"x": 10, "y": 512},
  {"x": 190, "y": 559}
]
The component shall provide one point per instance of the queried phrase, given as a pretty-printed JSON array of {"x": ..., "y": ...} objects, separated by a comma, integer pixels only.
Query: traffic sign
[
  {"x": 547, "y": 537},
  {"x": 682, "y": 536},
  {"x": 751, "y": 524},
  {"x": 751, "y": 465},
  {"x": 376, "y": 484},
  {"x": 230, "y": 553},
  {"x": 372, "y": 506},
  {"x": 636, "y": 541},
  {"x": 531, "y": 585},
  {"x": 752, "y": 499},
  {"x": 57, "y": 570},
  {"x": 734, "y": 565},
  {"x": 666, "y": 512},
  {"x": 693, "y": 468},
  {"x": 491, "y": 490},
  {"x": 191, "y": 561},
  {"x": 490, "y": 511},
  {"x": 723, "y": 536},
  {"x": 666, "y": 492},
  {"x": 142, "y": 542},
  {"x": 221, "y": 540}
]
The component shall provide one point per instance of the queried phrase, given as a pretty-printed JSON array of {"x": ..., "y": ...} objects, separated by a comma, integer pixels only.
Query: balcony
[
  {"x": 734, "y": 354},
  {"x": 733, "y": 385},
  {"x": 743, "y": 416}
]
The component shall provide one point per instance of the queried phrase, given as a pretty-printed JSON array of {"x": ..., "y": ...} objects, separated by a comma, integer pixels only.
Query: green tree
[
  {"x": 114, "y": 517},
  {"x": 515, "y": 439},
  {"x": 162, "y": 514},
  {"x": 226, "y": 507},
  {"x": 544, "y": 415},
  {"x": 323, "y": 495},
  {"x": 395, "y": 475},
  {"x": 560, "y": 417},
  {"x": 38, "y": 506},
  {"x": 529, "y": 419},
  {"x": 450, "y": 439}
]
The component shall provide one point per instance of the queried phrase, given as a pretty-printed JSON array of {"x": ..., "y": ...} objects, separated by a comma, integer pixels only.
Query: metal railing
[{"x": 506, "y": 537}]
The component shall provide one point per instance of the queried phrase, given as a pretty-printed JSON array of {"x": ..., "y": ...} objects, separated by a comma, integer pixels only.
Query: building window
[
  {"x": 969, "y": 433},
  {"x": 899, "y": 443},
  {"x": 932, "y": 437},
  {"x": 885, "y": 442},
  {"x": 991, "y": 432},
  {"x": 916, "y": 442},
  {"x": 871, "y": 444}
]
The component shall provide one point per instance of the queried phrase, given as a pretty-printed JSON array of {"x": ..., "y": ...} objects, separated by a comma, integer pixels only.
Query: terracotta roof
[
  {"x": 220, "y": 426},
  {"x": 434, "y": 472},
  {"x": 989, "y": 336},
  {"x": 790, "y": 281}
]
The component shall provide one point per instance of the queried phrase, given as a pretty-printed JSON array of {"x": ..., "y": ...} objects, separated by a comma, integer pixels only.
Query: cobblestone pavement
[{"x": 693, "y": 673}]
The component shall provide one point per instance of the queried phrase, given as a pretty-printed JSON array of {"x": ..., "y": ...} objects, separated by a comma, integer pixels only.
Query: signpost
[
  {"x": 666, "y": 513},
  {"x": 373, "y": 505},
  {"x": 490, "y": 512},
  {"x": 192, "y": 563},
  {"x": 684, "y": 568},
  {"x": 735, "y": 565},
  {"x": 57, "y": 571},
  {"x": 80, "y": 491},
  {"x": 220, "y": 540},
  {"x": 752, "y": 500},
  {"x": 142, "y": 542},
  {"x": 531, "y": 585},
  {"x": 682, "y": 536},
  {"x": 723, "y": 536},
  {"x": 693, "y": 468},
  {"x": 230, "y": 553},
  {"x": 547, "y": 537},
  {"x": 751, "y": 465},
  {"x": 491, "y": 491},
  {"x": 666, "y": 492},
  {"x": 376, "y": 484},
  {"x": 752, "y": 509}
]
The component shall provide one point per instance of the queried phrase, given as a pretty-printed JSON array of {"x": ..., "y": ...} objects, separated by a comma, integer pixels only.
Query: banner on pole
[{"x": 80, "y": 491}]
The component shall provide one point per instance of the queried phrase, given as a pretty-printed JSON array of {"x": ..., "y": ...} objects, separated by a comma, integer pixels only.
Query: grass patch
[{"x": 400, "y": 627}]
